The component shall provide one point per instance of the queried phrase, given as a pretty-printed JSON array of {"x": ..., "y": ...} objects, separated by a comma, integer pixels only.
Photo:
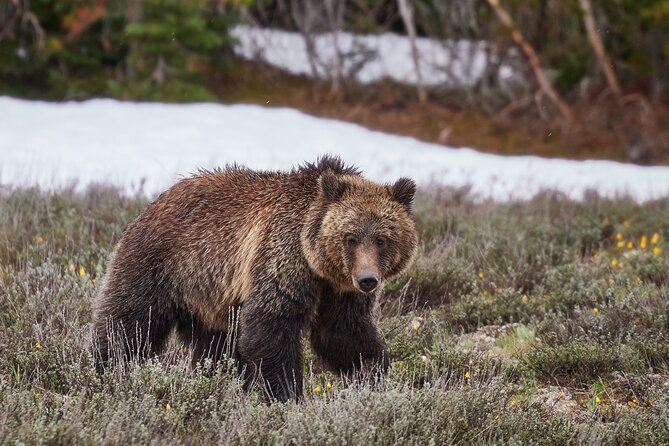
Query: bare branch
[
  {"x": 544, "y": 83},
  {"x": 407, "y": 17},
  {"x": 20, "y": 19},
  {"x": 598, "y": 47},
  {"x": 304, "y": 19}
]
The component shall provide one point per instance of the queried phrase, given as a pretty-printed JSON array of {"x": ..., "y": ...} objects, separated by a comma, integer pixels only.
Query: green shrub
[{"x": 131, "y": 49}]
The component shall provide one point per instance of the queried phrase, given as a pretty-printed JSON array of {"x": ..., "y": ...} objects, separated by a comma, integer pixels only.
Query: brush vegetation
[{"x": 541, "y": 322}]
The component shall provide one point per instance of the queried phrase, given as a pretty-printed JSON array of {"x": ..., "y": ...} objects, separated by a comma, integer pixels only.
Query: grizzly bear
[{"x": 282, "y": 251}]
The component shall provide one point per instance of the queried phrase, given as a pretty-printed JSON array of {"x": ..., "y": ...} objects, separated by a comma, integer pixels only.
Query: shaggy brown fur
[{"x": 308, "y": 248}]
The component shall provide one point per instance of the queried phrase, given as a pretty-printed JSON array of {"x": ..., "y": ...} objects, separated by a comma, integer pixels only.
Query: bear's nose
[{"x": 368, "y": 282}]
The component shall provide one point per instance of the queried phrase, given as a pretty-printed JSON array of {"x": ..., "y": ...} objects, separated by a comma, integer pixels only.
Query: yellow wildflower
[
  {"x": 524, "y": 298},
  {"x": 627, "y": 223},
  {"x": 168, "y": 407},
  {"x": 481, "y": 275},
  {"x": 638, "y": 279},
  {"x": 598, "y": 400},
  {"x": 630, "y": 245},
  {"x": 318, "y": 390},
  {"x": 619, "y": 236},
  {"x": 657, "y": 250},
  {"x": 614, "y": 263},
  {"x": 644, "y": 242},
  {"x": 595, "y": 310},
  {"x": 467, "y": 375},
  {"x": 415, "y": 325},
  {"x": 184, "y": 349},
  {"x": 621, "y": 243},
  {"x": 328, "y": 387},
  {"x": 649, "y": 402},
  {"x": 82, "y": 271},
  {"x": 37, "y": 346},
  {"x": 655, "y": 239},
  {"x": 39, "y": 239},
  {"x": 513, "y": 402}
]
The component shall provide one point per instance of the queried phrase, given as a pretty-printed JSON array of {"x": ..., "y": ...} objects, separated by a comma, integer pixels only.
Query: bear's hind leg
[{"x": 129, "y": 329}]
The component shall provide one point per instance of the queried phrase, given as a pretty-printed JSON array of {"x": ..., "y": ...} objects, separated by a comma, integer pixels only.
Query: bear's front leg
[
  {"x": 345, "y": 336},
  {"x": 269, "y": 346}
]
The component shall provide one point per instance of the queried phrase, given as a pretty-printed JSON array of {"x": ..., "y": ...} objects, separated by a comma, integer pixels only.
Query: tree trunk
[
  {"x": 598, "y": 47},
  {"x": 133, "y": 14},
  {"x": 407, "y": 17}
]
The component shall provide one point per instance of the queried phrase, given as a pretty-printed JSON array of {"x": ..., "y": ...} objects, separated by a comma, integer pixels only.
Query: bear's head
[{"x": 359, "y": 233}]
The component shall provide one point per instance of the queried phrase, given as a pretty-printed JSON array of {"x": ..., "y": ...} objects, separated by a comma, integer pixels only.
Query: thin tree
[
  {"x": 133, "y": 14},
  {"x": 544, "y": 83},
  {"x": 598, "y": 47},
  {"x": 304, "y": 15},
  {"x": 17, "y": 17},
  {"x": 406, "y": 12}
]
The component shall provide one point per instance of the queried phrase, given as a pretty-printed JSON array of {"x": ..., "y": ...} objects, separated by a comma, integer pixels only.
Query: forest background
[{"x": 593, "y": 73}]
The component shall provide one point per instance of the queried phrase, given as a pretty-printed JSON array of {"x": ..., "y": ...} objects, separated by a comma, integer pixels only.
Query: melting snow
[
  {"x": 124, "y": 143},
  {"x": 368, "y": 57}
]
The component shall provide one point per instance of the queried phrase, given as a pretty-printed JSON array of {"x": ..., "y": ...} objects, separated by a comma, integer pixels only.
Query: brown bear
[{"x": 285, "y": 251}]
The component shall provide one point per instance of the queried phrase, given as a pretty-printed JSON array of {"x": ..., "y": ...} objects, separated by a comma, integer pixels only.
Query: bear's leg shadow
[
  {"x": 269, "y": 345},
  {"x": 131, "y": 327},
  {"x": 345, "y": 336}
]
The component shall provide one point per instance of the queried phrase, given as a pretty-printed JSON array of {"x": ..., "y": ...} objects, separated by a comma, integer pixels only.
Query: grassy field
[{"x": 540, "y": 322}]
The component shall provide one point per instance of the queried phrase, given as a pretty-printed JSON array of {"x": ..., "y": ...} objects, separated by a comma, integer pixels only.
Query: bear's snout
[
  {"x": 367, "y": 281},
  {"x": 366, "y": 274}
]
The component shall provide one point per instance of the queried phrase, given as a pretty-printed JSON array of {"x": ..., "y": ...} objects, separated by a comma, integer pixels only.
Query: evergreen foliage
[{"x": 135, "y": 49}]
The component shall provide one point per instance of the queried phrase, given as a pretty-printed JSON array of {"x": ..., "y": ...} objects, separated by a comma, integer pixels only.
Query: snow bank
[
  {"x": 123, "y": 143},
  {"x": 368, "y": 57}
]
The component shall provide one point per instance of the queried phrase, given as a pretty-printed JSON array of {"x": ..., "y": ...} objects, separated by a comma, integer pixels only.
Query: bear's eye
[
  {"x": 380, "y": 242},
  {"x": 351, "y": 241}
]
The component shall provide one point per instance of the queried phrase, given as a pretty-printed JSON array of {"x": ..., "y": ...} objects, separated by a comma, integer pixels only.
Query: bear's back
[{"x": 209, "y": 234}]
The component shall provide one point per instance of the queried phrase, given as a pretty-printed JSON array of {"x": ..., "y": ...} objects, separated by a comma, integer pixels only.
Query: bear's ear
[
  {"x": 333, "y": 188},
  {"x": 403, "y": 191}
]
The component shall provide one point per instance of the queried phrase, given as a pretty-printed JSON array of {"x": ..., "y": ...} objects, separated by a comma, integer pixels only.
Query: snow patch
[
  {"x": 51, "y": 144},
  {"x": 368, "y": 57}
]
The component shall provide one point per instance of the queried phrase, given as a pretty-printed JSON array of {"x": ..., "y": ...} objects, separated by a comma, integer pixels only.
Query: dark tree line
[{"x": 568, "y": 52}]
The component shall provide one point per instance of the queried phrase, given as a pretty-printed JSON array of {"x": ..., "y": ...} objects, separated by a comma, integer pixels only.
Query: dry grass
[{"x": 525, "y": 322}]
